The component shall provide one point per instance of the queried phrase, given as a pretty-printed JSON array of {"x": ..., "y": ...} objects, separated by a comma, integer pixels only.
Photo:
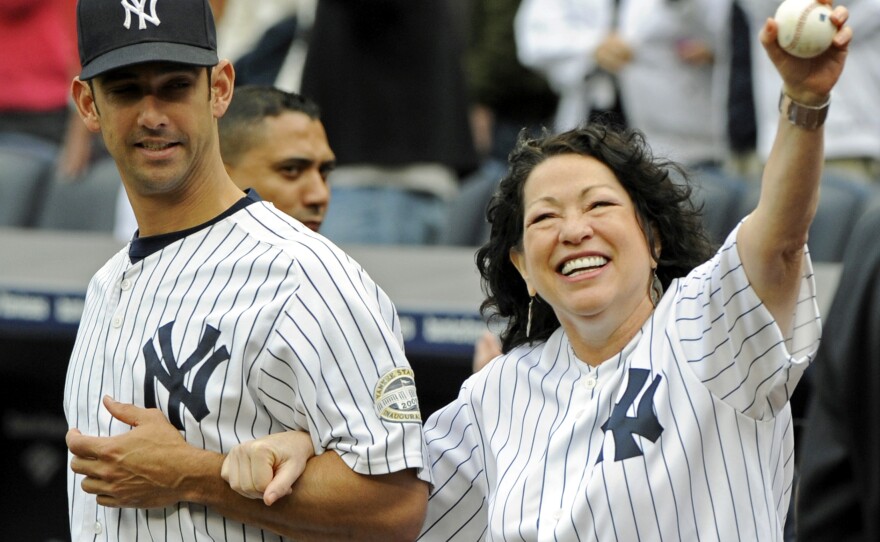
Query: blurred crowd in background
[{"x": 423, "y": 100}]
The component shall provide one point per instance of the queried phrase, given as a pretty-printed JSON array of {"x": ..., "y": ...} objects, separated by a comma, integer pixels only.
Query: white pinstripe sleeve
[
  {"x": 335, "y": 367},
  {"x": 458, "y": 498},
  {"x": 730, "y": 352}
]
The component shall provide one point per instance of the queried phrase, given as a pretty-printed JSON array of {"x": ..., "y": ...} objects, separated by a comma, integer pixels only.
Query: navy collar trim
[{"x": 141, "y": 247}]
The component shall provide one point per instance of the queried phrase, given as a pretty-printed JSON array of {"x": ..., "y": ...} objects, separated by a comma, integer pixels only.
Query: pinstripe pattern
[
  {"x": 308, "y": 336},
  {"x": 521, "y": 454}
]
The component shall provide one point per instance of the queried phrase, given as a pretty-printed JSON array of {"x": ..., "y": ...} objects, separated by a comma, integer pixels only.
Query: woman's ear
[
  {"x": 517, "y": 258},
  {"x": 658, "y": 245}
]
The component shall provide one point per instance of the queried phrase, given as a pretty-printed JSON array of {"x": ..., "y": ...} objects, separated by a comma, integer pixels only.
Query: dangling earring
[
  {"x": 656, "y": 289},
  {"x": 529, "y": 321}
]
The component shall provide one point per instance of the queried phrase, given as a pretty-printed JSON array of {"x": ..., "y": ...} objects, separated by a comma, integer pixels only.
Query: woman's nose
[{"x": 575, "y": 228}]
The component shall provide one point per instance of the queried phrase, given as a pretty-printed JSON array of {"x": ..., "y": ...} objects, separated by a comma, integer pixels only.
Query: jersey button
[
  {"x": 578, "y": 414},
  {"x": 98, "y": 527},
  {"x": 557, "y": 515},
  {"x": 125, "y": 284},
  {"x": 117, "y": 321},
  {"x": 590, "y": 382}
]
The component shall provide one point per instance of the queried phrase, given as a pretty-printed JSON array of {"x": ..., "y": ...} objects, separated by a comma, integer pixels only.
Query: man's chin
[{"x": 312, "y": 225}]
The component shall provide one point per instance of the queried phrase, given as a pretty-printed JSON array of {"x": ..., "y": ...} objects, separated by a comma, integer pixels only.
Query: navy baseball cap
[{"x": 117, "y": 33}]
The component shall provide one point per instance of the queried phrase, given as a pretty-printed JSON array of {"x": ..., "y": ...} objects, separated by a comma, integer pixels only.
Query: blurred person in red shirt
[{"x": 38, "y": 58}]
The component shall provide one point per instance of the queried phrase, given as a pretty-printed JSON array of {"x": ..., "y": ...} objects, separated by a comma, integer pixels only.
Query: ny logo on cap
[{"x": 137, "y": 7}]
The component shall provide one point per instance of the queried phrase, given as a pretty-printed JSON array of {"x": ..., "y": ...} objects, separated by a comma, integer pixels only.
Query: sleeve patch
[{"x": 395, "y": 398}]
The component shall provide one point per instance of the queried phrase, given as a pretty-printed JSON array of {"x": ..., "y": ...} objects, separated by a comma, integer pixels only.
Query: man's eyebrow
[
  {"x": 116, "y": 76},
  {"x": 123, "y": 74},
  {"x": 295, "y": 160}
]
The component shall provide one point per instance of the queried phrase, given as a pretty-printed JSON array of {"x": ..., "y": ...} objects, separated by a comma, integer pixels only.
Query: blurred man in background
[{"x": 274, "y": 142}]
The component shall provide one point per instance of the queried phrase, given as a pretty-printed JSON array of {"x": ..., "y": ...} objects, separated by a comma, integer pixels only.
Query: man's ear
[
  {"x": 84, "y": 100},
  {"x": 222, "y": 84},
  {"x": 517, "y": 258}
]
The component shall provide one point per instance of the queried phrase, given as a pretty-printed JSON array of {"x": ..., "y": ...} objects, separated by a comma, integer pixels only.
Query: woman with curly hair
[{"x": 643, "y": 392}]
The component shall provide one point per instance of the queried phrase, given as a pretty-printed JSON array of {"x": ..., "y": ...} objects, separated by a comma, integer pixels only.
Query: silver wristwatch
[{"x": 806, "y": 116}]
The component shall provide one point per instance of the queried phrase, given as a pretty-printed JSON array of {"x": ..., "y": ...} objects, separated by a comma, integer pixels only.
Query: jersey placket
[{"x": 575, "y": 447}]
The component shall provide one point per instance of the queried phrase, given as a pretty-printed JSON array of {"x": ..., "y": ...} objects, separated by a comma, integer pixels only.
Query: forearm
[
  {"x": 790, "y": 183},
  {"x": 329, "y": 502},
  {"x": 152, "y": 466},
  {"x": 772, "y": 240}
]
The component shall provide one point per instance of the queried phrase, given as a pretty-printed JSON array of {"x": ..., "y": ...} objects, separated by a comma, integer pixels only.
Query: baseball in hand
[{"x": 805, "y": 27}]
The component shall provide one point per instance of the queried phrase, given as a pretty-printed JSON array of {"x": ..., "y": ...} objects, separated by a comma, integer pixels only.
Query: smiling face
[
  {"x": 158, "y": 121},
  {"x": 288, "y": 164},
  {"x": 583, "y": 250}
]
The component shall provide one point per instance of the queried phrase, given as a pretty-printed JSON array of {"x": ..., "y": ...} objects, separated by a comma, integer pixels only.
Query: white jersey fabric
[
  {"x": 249, "y": 326},
  {"x": 684, "y": 435}
]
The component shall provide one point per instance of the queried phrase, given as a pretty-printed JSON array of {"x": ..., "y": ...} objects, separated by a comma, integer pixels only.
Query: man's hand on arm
[
  {"x": 152, "y": 466},
  {"x": 146, "y": 467},
  {"x": 381, "y": 507}
]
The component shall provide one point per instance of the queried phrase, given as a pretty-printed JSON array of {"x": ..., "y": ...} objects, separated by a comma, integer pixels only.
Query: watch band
[{"x": 806, "y": 116}]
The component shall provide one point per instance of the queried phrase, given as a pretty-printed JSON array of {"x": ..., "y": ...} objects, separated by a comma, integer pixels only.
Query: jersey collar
[{"x": 141, "y": 247}]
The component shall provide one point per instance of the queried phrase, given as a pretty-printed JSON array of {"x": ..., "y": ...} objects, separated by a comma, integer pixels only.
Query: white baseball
[{"x": 805, "y": 27}]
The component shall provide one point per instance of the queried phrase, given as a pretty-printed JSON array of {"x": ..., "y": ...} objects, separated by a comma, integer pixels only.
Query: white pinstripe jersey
[
  {"x": 249, "y": 326},
  {"x": 685, "y": 435}
]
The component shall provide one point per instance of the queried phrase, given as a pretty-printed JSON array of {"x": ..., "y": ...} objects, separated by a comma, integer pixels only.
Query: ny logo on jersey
[
  {"x": 137, "y": 7},
  {"x": 172, "y": 375},
  {"x": 644, "y": 424}
]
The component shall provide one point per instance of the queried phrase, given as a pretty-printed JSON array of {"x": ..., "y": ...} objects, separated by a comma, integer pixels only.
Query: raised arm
[
  {"x": 771, "y": 241},
  {"x": 152, "y": 466}
]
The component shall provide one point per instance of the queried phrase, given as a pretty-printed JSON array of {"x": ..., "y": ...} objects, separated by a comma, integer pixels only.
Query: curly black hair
[{"x": 663, "y": 206}]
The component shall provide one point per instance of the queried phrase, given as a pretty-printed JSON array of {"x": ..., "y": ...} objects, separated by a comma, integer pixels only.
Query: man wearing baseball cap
[
  {"x": 223, "y": 321},
  {"x": 167, "y": 30}
]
